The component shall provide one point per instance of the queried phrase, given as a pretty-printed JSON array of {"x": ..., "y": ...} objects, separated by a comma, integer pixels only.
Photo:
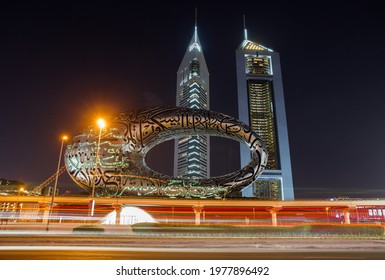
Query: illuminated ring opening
[{"x": 121, "y": 168}]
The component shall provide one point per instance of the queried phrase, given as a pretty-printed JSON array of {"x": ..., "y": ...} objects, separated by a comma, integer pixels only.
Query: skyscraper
[
  {"x": 191, "y": 156},
  {"x": 261, "y": 105}
]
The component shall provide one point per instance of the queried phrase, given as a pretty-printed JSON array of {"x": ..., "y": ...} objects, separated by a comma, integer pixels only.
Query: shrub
[{"x": 88, "y": 228}]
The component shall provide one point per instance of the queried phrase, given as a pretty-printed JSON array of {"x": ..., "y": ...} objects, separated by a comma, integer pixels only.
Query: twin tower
[{"x": 261, "y": 105}]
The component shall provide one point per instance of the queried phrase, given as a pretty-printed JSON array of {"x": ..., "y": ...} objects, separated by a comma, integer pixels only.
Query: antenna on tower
[
  {"x": 244, "y": 26},
  {"x": 196, "y": 20}
]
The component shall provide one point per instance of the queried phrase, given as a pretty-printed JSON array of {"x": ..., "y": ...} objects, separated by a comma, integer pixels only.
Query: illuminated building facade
[
  {"x": 261, "y": 105},
  {"x": 119, "y": 168},
  {"x": 192, "y": 153}
]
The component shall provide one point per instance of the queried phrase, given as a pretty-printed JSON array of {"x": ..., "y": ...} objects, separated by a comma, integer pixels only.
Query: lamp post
[
  {"x": 101, "y": 123},
  {"x": 17, "y": 202},
  {"x": 57, "y": 176}
]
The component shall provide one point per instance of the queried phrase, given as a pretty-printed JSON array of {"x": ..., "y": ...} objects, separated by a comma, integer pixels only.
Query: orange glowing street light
[
  {"x": 20, "y": 190},
  {"x": 17, "y": 202},
  {"x": 101, "y": 123}
]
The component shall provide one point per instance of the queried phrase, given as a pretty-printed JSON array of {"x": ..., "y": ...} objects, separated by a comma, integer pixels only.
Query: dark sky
[{"x": 63, "y": 64}]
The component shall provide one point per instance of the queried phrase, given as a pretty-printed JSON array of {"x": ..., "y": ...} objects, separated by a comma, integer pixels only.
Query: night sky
[{"x": 62, "y": 65}]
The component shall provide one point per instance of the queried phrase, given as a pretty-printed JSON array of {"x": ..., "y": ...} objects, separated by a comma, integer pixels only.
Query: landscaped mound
[{"x": 307, "y": 230}]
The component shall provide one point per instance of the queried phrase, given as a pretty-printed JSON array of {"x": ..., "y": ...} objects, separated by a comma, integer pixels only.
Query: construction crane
[{"x": 38, "y": 189}]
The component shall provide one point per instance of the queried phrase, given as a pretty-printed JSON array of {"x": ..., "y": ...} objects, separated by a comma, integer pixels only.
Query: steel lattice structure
[{"x": 121, "y": 168}]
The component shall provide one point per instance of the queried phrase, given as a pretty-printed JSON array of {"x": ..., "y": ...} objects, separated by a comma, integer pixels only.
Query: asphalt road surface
[
  {"x": 116, "y": 247},
  {"x": 185, "y": 254}
]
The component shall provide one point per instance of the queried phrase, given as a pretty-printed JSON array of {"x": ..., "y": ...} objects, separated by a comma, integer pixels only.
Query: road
[
  {"x": 117, "y": 247},
  {"x": 185, "y": 254}
]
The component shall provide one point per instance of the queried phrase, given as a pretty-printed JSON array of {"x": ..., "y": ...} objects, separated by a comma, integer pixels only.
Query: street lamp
[
  {"x": 57, "y": 176},
  {"x": 101, "y": 123},
  {"x": 17, "y": 201}
]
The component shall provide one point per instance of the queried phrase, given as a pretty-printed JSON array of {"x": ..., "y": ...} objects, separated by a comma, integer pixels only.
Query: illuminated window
[
  {"x": 248, "y": 45},
  {"x": 262, "y": 118},
  {"x": 267, "y": 188},
  {"x": 194, "y": 68},
  {"x": 258, "y": 65}
]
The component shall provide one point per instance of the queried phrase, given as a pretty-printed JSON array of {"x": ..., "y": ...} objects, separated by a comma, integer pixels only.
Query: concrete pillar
[
  {"x": 118, "y": 210},
  {"x": 346, "y": 212},
  {"x": 273, "y": 212},
  {"x": 197, "y": 210},
  {"x": 45, "y": 208}
]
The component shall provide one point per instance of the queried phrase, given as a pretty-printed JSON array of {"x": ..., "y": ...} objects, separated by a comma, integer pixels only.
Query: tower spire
[
  {"x": 244, "y": 26},
  {"x": 192, "y": 154}
]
